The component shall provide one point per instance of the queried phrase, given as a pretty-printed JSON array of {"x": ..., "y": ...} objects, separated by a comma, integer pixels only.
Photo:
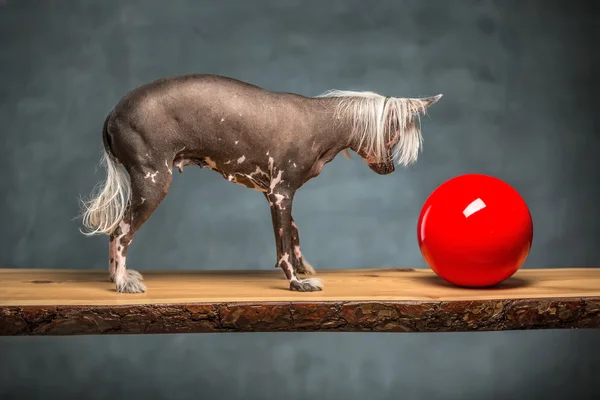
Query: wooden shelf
[{"x": 78, "y": 302}]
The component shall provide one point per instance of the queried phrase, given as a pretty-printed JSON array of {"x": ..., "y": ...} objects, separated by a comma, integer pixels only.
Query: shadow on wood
[{"x": 511, "y": 283}]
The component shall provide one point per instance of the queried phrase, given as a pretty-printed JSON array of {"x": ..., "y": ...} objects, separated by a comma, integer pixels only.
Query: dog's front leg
[
  {"x": 281, "y": 214},
  {"x": 303, "y": 266}
]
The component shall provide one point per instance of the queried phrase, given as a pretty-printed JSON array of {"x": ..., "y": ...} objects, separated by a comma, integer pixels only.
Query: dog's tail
[{"x": 105, "y": 209}]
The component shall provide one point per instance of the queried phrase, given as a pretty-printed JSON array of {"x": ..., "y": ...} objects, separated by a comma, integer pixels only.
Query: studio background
[{"x": 519, "y": 103}]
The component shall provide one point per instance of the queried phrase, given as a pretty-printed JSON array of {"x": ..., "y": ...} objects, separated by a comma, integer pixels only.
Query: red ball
[{"x": 475, "y": 231}]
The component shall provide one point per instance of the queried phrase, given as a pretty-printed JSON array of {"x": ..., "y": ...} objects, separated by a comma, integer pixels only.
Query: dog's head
[{"x": 397, "y": 138}]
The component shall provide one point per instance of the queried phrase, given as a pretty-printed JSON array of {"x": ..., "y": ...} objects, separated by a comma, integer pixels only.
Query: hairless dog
[{"x": 269, "y": 141}]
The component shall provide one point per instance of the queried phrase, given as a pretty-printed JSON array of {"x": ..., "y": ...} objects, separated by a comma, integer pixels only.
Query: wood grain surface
[{"x": 70, "y": 302}]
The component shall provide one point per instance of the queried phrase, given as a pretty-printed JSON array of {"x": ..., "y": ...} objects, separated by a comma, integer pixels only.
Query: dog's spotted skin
[{"x": 266, "y": 141}]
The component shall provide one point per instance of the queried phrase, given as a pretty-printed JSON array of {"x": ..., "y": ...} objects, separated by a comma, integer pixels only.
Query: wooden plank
[{"x": 68, "y": 302}]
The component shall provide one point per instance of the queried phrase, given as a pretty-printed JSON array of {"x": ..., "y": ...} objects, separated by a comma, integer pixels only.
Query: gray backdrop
[{"x": 519, "y": 104}]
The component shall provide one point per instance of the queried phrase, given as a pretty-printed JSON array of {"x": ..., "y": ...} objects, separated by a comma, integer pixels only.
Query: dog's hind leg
[
  {"x": 112, "y": 257},
  {"x": 149, "y": 186}
]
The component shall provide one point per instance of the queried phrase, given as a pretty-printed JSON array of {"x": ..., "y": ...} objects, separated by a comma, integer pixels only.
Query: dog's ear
[{"x": 429, "y": 101}]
